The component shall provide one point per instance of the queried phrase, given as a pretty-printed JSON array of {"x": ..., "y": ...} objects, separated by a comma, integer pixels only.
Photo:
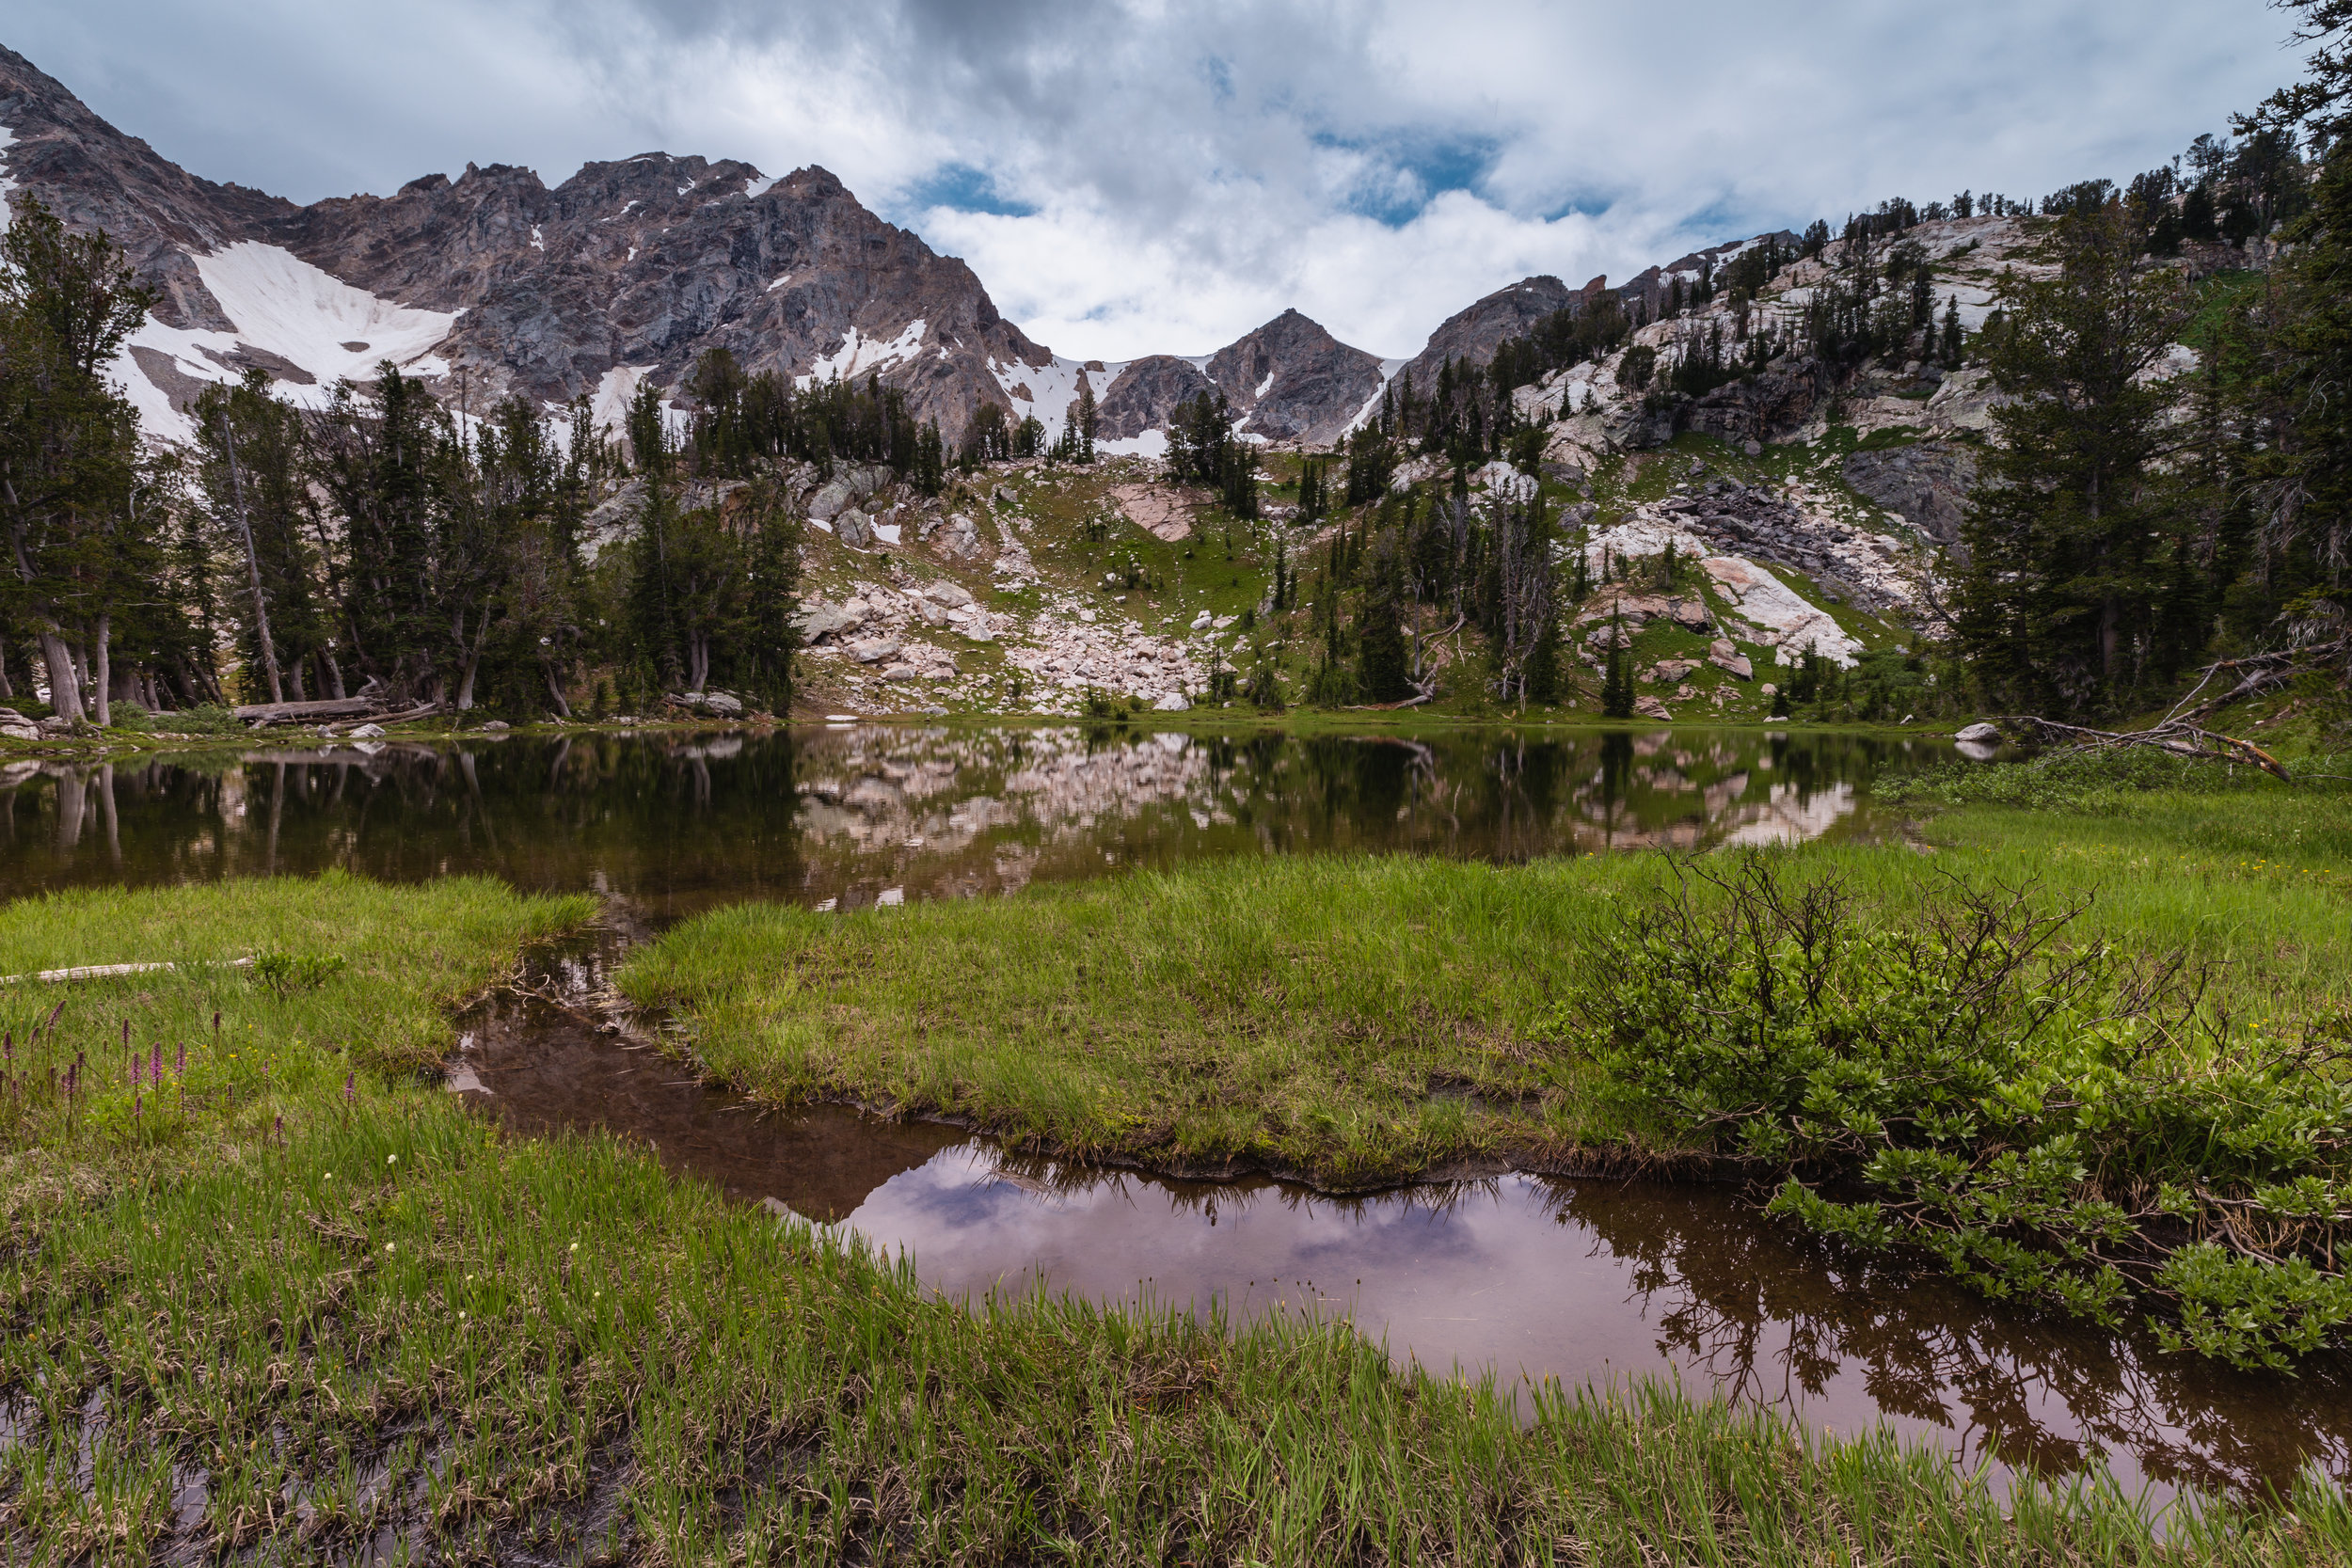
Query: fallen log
[
  {"x": 304, "y": 713},
  {"x": 420, "y": 711},
  {"x": 2176, "y": 736},
  {"x": 105, "y": 972}
]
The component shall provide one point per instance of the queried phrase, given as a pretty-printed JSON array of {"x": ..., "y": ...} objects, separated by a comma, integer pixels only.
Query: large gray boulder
[
  {"x": 847, "y": 488},
  {"x": 819, "y": 619},
  {"x": 854, "y": 528}
]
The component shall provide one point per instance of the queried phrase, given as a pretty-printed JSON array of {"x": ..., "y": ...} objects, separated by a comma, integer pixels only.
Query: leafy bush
[
  {"x": 2071, "y": 779},
  {"x": 2059, "y": 1123},
  {"x": 212, "y": 719},
  {"x": 285, "y": 973}
]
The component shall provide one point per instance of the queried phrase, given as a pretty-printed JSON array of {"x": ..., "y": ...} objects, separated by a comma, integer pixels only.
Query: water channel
[{"x": 1521, "y": 1277}]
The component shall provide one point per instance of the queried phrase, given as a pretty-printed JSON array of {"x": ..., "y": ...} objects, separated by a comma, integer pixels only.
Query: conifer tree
[
  {"x": 1616, "y": 686},
  {"x": 2074, "y": 542},
  {"x": 70, "y": 465}
]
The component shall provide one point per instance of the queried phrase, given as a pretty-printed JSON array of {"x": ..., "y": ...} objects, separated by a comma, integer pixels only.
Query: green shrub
[
  {"x": 2072, "y": 779},
  {"x": 285, "y": 973},
  {"x": 2053, "y": 1121}
]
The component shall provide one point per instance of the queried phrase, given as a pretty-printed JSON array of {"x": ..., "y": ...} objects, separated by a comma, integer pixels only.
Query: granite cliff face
[
  {"x": 1472, "y": 335},
  {"x": 640, "y": 266},
  {"x": 1146, "y": 394},
  {"x": 1291, "y": 380}
]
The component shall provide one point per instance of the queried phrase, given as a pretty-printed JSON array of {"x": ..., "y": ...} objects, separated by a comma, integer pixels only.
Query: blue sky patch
[{"x": 965, "y": 189}]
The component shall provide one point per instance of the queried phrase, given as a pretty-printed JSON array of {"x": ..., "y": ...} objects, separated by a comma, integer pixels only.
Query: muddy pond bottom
[{"x": 1518, "y": 1278}]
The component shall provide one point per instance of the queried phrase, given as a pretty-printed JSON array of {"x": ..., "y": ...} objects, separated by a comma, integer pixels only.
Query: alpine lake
[{"x": 1516, "y": 1275}]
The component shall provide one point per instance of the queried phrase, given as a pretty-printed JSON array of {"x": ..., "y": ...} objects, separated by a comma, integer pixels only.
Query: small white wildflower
[
  {"x": 388, "y": 1246},
  {"x": 391, "y": 1159}
]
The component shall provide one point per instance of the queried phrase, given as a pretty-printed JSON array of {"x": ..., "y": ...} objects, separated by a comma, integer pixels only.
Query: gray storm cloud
[{"x": 1140, "y": 177}]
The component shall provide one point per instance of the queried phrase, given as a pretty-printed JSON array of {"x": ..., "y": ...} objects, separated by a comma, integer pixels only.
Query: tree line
[
  {"x": 2143, "y": 511},
  {"x": 383, "y": 543}
]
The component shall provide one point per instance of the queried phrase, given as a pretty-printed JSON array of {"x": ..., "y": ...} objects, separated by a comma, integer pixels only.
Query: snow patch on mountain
[
  {"x": 283, "y": 304},
  {"x": 7, "y": 181},
  {"x": 1051, "y": 388},
  {"x": 1152, "y": 443},
  {"x": 1372, "y": 405},
  {"x": 859, "y": 354},
  {"x": 308, "y": 326}
]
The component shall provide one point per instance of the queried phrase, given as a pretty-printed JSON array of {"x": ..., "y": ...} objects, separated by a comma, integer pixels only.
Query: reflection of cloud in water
[
  {"x": 1790, "y": 816},
  {"x": 1584, "y": 1282}
]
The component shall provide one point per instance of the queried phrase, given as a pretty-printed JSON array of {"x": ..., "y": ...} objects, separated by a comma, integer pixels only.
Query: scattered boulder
[
  {"x": 367, "y": 732},
  {"x": 1172, "y": 702},
  {"x": 1668, "y": 671},
  {"x": 873, "y": 650},
  {"x": 1979, "y": 734},
  {"x": 854, "y": 528},
  {"x": 848, "y": 488},
  {"x": 946, "y": 593},
  {"x": 901, "y": 673},
  {"x": 817, "y": 620},
  {"x": 959, "y": 537},
  {"x": 1729, "y": 660},
  {"x": 1650, "y": 707}
]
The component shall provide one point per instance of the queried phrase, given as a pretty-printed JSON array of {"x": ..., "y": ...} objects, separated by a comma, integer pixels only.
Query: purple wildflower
[
  {"x": 179, "y": 1064},
  {"x": 155, "y": 1063}
]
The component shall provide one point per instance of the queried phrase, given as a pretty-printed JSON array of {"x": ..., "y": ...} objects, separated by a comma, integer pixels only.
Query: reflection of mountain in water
[{"x": 852, "y": 814}]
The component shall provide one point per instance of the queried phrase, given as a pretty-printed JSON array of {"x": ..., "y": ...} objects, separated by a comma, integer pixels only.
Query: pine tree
[
  {"x": 1383, "y": 674},
  {"x": 1545, "y": 666},
  {"x": 2074, "y": 542},
  {"x": 70, "y": 464},
  {"x": 1616, "y": 686}
]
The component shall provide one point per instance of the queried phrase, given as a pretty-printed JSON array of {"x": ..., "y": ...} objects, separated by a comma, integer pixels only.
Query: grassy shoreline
[
  {"x": 361, "y": 1314},
  {"x": 1358, "y": 1022}
]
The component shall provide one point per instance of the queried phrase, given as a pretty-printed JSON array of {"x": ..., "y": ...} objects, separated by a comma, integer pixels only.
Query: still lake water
[
  {"x": 1520, "y": 1275},
  {"x": 679, "y": 823}
]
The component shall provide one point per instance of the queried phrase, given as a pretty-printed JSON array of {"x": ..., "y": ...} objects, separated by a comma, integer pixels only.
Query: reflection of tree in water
[
  {"x": 683, "y": 821},
  {"x": 1772, "y": 1320}
]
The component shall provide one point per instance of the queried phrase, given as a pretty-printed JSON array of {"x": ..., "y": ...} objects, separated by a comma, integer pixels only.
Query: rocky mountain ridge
[{"x": 493, "y": 283}]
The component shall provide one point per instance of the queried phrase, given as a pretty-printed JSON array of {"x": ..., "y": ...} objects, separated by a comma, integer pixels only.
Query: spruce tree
[
  {"x": 1383, "y": 674},
  {"x": 1617, "y": 687},
  {"x": 2074, "y": 538}
]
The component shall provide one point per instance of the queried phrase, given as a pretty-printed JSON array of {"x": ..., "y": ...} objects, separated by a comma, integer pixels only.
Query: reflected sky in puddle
[{"x": 1521, "y": 1276}]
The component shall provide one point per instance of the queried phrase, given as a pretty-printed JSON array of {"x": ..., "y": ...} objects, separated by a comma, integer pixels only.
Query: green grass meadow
[{"x": 287, "y": 1300}]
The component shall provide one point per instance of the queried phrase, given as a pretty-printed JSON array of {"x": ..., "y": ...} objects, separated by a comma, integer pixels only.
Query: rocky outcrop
[
  {"x": 95, "y": 178},
  {"x": 1146, "y": 394},
  {"x": 1927, "y": 484},
  {"x": 1772, "y": 404},
  {"x": 1472, "y": 335},
  {"x": 1292, "y": 381}
]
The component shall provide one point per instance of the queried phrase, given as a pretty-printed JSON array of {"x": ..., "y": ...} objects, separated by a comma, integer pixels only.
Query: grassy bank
[
  {"x": 2088, "y": 1060},
  {"x": 294, "y": 1301},
  {"x": 1364, "y": 1020}
]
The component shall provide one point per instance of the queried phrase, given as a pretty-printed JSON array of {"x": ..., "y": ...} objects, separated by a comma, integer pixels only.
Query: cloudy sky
[{"x": 1150, "y": 176}]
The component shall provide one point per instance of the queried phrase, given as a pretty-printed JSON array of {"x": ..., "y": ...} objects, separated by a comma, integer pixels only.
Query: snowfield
[{"x": 286, "y": 308}]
